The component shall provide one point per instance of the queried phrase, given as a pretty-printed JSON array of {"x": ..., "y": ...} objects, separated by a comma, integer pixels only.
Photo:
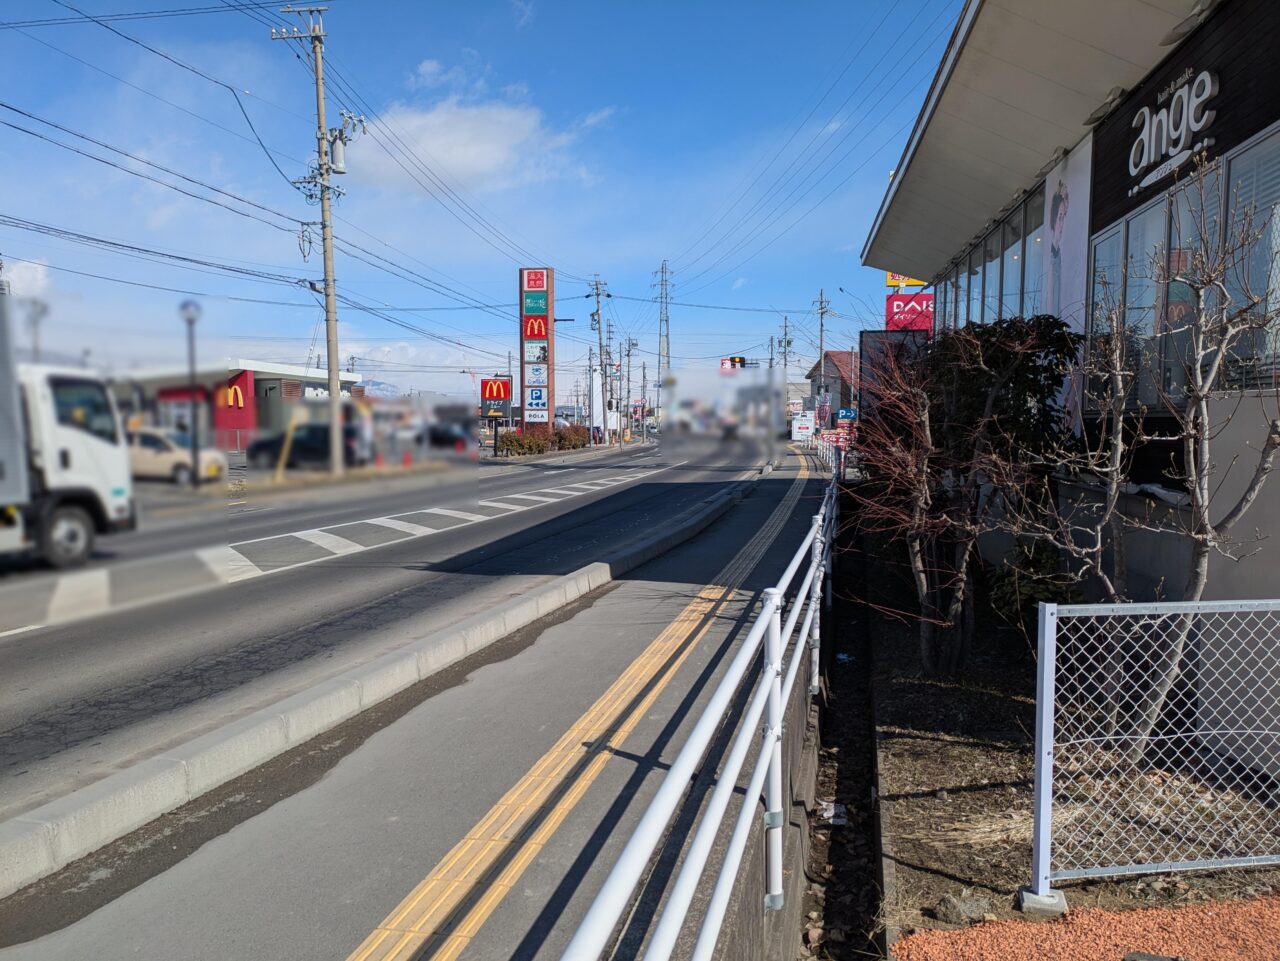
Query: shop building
[{"x": 1065, "y": 152}]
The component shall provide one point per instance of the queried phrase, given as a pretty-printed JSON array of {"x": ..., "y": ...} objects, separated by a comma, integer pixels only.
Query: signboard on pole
[
  {"x": 901, "y": 280},
  {"x": 537, "y": 343},
  {"x": 495, "y": 398},
  {"x": 802, "y": 425}
]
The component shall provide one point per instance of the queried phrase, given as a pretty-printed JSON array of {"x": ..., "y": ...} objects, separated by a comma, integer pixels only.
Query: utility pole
[
  {"x": 664, "y": 338},
  {"x": 324, "y": 167},
  {"x": 644, "y": 402},
  {"x": 822, "y": 345},
  {"x": 626, "y": 398},
  {"x": 37, "y": 310},
  {"x": 771, "y": 351},
  {"x": 591, "y": 404},
  {"x": 597, "y": 322}
]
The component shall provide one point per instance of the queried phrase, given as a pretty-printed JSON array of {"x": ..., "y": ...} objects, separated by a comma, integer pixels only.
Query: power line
[
  {"x": 137, "y": 15},
  {"x": 195, "y": 70}
]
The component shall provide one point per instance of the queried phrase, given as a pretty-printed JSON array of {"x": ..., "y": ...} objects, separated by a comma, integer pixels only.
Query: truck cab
[{"x": 78, "y": 482}]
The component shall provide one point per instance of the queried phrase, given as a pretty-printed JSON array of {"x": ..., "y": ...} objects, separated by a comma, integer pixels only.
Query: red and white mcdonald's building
[{"x": 239, "y": 397}]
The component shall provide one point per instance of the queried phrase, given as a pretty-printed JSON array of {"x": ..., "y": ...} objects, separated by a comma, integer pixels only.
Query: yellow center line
[{"x": 441, "y": 915}]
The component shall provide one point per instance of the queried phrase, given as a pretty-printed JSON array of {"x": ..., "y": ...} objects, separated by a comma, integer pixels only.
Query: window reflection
[
  {"x": 1011, "y": 266},
  {"x": 1033, "y": 256},
  {"x": 991, "y": 279},
  {"x": 1253, "y": 191},
  {"x": 1145, "y": 251},
  {"x": 975, "y": 286}
]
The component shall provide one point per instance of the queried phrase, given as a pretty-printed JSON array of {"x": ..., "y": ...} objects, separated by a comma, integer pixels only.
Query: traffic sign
[{"x": 847, "y": 413}]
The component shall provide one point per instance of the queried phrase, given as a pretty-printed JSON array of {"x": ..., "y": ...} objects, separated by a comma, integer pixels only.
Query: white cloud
[
  {"x": 739, "y": 283},
  {"x": 597, "y": 117},
  {"x": 523, "y": 10},
  {"x": 28, "y": 279},
  {"x": 482, "y": 146}
]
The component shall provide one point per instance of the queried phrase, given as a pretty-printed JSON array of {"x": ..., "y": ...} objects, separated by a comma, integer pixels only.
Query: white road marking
[
  {"x": 447, "y": 512},
  {"x": 534, "y": 497},
  {"x": 563, "y": 470},
  {"x": 397, "y": 525},
  {"x": 330, "y": 542},
  {"x": 78, "y": 594},
  {"x": 228, "y": 564},
  {"x": 505, "y": 506}
]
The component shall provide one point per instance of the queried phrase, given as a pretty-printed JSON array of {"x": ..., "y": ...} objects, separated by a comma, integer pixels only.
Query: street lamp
[{"x": 190, "y": 312}]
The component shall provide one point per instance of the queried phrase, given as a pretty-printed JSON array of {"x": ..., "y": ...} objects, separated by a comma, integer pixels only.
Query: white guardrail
[{"x": 772, "y": 687}]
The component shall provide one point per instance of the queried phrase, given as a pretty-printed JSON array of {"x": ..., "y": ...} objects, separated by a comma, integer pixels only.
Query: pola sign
[{"x": 1166, "y": 134}]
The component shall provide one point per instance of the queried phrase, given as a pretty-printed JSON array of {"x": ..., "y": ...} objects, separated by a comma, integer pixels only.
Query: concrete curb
[{"x": 46, "y": 839}]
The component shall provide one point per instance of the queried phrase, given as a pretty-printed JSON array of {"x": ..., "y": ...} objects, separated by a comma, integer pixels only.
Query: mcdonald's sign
[
  {"x": 235, "y": 396},
  {"x": 495, "y": 389},
  {"x": 535, "y": 326}
]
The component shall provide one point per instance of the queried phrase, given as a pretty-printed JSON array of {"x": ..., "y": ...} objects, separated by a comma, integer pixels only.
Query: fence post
[
  {"x": 815, "y": 603},
  {"x": 773, "y": 815},
  {"x": 1040, "y": 898}
]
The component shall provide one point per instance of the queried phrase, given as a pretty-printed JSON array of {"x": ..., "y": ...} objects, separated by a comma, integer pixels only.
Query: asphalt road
[
  {"x": 84, "y": 698},
  {"x": 455, "y": 806}
]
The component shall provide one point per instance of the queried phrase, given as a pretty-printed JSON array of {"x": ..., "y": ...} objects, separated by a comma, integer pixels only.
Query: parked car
[
  {"x": 166, "y": 455},
  {"x": 309, "y": 448},
  {"x": 444, "y": 436}
]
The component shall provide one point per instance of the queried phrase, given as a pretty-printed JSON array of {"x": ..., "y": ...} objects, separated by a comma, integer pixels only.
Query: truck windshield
[{"x": 83, "y": 404}]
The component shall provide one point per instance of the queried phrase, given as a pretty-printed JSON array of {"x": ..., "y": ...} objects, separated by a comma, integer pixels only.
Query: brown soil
[{"x": 1236, "y": 931}]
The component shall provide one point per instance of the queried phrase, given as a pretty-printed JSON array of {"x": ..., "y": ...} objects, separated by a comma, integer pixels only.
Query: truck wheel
[
  {"x": 182, "y": 475},
  {"x": 68, "y": 538}
]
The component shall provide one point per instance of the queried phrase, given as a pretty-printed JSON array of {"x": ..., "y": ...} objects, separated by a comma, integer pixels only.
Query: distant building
[{"x": 836, "y": 377}]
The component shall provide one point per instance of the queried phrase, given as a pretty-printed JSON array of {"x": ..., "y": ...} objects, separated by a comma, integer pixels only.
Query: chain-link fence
[{"x": 1157, "y": 738}]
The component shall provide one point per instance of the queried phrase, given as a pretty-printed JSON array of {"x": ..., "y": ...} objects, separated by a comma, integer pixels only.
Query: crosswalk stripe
[
  {"x": 449, "y": 512},
  {"x": 227, "y": 563},
  {"x": 81, "y": 593},
  {"x": 504, "y": 505},
  {"x": 396, "y": 525},
  {"x": 533, "y": 497},
  {"x": 330, "y": 542}
]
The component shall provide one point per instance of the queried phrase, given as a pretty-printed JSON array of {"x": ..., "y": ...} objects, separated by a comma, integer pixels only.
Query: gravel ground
[{"x": 1234, "y": 931}]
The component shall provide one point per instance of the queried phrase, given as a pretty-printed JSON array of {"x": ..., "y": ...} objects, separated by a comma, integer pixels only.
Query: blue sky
[{"x": 600, "y": 138}]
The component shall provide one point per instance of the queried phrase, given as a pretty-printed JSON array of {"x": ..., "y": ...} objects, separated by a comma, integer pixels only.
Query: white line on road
[
  {"x": 534, "y": 497},
  {"x": 330, "y": 542},
  {"x": 505, "y": 506},
  {"x": 397, "y": 525},
  {"x": 78, "y": 594},
  {"x": 228, "y": 565},
  {"x": 448, "y": 512},
  {"x": 563, "y": 470}
]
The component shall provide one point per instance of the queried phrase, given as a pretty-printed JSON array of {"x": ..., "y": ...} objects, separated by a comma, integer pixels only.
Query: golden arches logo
[
  {"x": 495, "y": 389},
  {"x": 535, "y": 327},
  {"x": 235, "y": 396}
]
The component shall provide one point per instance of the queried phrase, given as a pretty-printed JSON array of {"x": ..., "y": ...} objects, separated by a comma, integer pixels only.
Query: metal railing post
[
  {"x": 773, "y": 815},
  {"x": 1041, "y": 898},
  {"x": 815, "y": 601}
]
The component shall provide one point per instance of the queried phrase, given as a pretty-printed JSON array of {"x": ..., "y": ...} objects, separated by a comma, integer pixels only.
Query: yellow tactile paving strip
[{"x": 441, "y": 915}]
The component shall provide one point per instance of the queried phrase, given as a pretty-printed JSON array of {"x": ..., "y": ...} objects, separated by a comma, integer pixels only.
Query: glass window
[
  {"x": 84, "y": 405},
  {"x": 1011, "y": 266},
  {"x": 1033, "y": 256},
  {"x": 1194, "y": 235},
  {"x": 1146, "y": 246},
  {"x": 991, "y": 277},
  {"x": 975, "y": 286},
  {"x": 1106, "y": 291},
  {"x": 958, "y": 303},
  {"x": 940, "y": 304},
  {"x": 1253, "y": 196}
]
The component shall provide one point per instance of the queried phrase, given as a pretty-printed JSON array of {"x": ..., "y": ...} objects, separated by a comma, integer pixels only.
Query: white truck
[{"x": 64, "y": 461}]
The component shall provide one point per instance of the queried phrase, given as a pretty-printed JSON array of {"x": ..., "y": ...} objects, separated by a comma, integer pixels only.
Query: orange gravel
[{"x": 1222, "y": 931}]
